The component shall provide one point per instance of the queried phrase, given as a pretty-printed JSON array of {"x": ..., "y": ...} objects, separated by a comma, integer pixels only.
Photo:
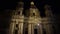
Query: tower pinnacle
[{"x": 32, "y": 3}]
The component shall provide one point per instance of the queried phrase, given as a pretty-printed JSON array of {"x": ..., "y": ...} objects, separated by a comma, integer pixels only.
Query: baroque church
[{"x": 32, "y": 22}]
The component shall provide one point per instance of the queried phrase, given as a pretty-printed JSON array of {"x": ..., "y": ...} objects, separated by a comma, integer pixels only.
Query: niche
[
  {"x": 33, "y": 14},
  {"x": 17, "y": 25},
  {"x": 18, "y": 13}
]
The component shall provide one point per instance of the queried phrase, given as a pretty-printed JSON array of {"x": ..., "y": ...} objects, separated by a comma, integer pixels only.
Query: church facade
[{"x": 32, "y": 22}]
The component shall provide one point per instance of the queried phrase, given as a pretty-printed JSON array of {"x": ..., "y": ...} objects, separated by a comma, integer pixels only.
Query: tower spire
[
  {"x": 20, "y": 4},
  {"x": 32, "y": 3},
  {"x": 19, "y": 8},
  {"x": 33, "y": 10},
  {"x": 48, "y": 11}
]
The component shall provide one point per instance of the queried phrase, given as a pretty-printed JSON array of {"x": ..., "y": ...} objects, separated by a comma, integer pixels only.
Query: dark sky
[{"x": 11, "y": 4}]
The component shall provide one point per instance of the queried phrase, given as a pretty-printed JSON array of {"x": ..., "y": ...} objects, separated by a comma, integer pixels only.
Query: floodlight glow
[{"x": 38, "y": 24}]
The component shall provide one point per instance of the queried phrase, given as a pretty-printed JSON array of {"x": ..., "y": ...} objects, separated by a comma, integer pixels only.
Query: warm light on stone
[
  {"x": 32, "y": 3},
  {"x": 38, "y": 24},
  {"x": 29, "y": 23}
]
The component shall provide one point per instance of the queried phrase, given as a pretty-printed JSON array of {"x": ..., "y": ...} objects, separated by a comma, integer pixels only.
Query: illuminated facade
[
  {"x": 16, "y": 26},
  {"x": 31, "y": 23}
]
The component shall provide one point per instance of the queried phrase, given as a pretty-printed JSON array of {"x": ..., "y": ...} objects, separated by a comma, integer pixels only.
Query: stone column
[
  {"x": 21, "y": 28},
  {"x": 20, "y": 31},
  {"x": 48, "y": 29},
  {"x": 40, "y": 29},
  {"x": 12, "y": 28},
  {"x": 30, "y": 29}
]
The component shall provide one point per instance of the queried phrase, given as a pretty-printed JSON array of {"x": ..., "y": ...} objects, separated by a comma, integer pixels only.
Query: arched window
[
  {"x": 18, "y": 12},
  {"x": 17, "y": 25},
  {"x": 16, "y": 30},
  {"x": 33, "y": 14}
]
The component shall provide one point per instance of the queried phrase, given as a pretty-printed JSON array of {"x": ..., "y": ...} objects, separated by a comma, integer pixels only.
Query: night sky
[{"x": 11, "y": 4}]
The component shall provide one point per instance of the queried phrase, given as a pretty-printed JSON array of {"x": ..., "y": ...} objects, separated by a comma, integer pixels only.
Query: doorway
[{"x": 35, "y": 31}]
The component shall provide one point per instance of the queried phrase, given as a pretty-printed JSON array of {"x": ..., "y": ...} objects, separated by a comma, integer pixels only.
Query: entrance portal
[{"x": 35, "y": 31}]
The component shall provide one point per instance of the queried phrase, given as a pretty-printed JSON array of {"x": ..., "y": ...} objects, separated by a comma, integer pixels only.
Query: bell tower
[
  {"x": 34, "y": 10},
  {"x": 19, "y": 8},
  {"x": 48, "y": 11},
  {"x": 17, "y": 19},
  {"x": 47, "y": 21},
  {"x": 34, "y": 20}
]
